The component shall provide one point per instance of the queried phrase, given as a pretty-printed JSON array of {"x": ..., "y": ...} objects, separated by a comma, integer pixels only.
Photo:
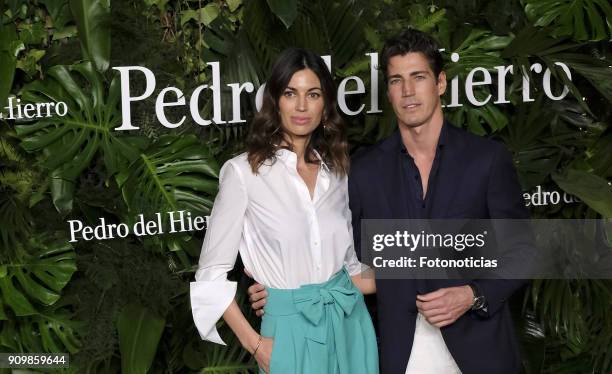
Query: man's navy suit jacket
[{"x": 475, "y": 179}]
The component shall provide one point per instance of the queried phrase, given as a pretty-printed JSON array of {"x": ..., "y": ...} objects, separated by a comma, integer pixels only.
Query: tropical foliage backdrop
[{"x": 122, "y": 305}]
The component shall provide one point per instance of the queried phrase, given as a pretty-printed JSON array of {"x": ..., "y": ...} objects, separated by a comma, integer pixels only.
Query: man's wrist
[
  {"x": 478, "y": 301},
  {"x": 469, "y": 296}
]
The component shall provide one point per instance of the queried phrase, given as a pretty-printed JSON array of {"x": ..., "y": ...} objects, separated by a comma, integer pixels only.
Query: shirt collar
[
  {"x": 441, "y": 139},
  {"x": 290, "y": 158}
]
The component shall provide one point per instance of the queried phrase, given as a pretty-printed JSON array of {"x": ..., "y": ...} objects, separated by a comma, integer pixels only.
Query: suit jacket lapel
[
  {"x": 450, "y": 173},
  {"x": 395, "y": 196}
]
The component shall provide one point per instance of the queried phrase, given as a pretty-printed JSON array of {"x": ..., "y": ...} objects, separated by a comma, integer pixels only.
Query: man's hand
[
  {"x": 257, "y": 297},
  {"x": 446, "y": 305}
]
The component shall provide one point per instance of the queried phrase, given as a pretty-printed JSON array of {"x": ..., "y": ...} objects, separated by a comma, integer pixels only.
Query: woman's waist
[
  {"x": 285, "y": 301},
  {"x": 290, "y": 273}
]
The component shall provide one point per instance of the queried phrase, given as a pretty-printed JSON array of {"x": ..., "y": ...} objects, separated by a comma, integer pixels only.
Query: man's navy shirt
[{"x": 415, "y": 206}]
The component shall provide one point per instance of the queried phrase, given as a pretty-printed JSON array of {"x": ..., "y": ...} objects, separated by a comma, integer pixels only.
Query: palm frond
[{"x": 582, "y": 19}]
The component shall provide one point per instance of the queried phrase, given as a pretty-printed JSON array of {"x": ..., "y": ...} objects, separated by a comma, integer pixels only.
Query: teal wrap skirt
[{"x": 320, "y": 329}]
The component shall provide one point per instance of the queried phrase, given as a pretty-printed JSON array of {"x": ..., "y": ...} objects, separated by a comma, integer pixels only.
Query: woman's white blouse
[{"x": 285, "y": 238}]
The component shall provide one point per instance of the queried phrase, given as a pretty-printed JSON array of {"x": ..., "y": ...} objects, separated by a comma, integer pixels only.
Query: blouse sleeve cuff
[
  {"x": 209, "y": 300},
  {"x": 356, "y": 267}
]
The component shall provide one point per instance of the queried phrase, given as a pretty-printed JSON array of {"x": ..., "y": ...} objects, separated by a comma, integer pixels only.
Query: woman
[{"x": 284, "y": 206}]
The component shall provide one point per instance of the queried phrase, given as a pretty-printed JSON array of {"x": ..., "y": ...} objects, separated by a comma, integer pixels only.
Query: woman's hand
[{"x": 264, "y": 354}]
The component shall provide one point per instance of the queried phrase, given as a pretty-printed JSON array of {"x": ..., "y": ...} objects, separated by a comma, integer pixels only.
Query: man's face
[{"x": 413, "y": 90}]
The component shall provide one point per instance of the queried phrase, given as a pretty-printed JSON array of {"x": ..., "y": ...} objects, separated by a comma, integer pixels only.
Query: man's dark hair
[{"x": 411, "y": 40}]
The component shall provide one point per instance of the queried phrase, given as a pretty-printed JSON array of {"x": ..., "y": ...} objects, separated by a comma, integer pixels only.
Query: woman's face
[{"x": 301, "y": 104}]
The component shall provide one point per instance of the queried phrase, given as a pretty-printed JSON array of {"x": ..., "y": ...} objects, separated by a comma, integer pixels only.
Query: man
[{"x": 431, "y": 169}]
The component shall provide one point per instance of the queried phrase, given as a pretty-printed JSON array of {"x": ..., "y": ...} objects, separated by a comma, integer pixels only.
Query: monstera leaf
[
  {"x": 582, "y": 19},
  {"x": 174, "y": 173},
  {"x": 32, "y": 315},
  {"x": 55, "y": 330},
  {"x": 37, "y": 274},
  {"x": 50, "y": 330},
  {"x": 71, "y": 142}
]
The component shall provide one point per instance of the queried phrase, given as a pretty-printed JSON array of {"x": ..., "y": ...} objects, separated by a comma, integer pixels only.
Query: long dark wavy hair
[{"x": 266, "y": 134}]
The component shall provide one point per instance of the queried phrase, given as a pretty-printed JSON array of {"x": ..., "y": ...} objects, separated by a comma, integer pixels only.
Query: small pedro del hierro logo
[{"x": 15, "y": 110}]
